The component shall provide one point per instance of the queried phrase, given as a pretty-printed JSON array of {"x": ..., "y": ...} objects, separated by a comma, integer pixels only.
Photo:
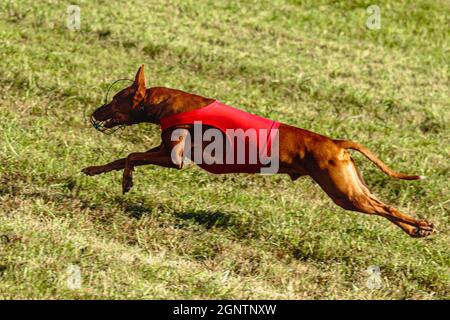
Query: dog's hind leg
[{"x": 340, "y": 179}]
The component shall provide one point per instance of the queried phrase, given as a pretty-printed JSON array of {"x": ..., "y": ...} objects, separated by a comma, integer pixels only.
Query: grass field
[{"x": 189, "y": 234}]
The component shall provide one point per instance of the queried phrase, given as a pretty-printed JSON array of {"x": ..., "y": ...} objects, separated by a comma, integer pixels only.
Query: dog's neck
[
  {"x": 152, "y": 109},
  {"x": 160, "y": 102}
]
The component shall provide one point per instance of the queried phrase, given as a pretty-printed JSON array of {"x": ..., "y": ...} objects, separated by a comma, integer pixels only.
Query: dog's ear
[{"x": 139, "y": 86}]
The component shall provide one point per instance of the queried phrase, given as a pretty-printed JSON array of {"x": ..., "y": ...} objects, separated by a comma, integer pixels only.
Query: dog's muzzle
[{"x": 100, "y": 126}]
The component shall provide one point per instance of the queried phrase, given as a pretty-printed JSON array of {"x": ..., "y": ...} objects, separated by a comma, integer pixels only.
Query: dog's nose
[{"x": 94, "y": 122}]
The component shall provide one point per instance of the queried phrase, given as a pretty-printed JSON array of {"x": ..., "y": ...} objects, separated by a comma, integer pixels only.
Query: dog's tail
[{"x": 347, "y": 144}]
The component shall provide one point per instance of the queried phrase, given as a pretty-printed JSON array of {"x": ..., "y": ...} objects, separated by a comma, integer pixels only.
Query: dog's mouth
[
  {"x": 107, "y": 126},
  {"x": 111, "y": 123}
]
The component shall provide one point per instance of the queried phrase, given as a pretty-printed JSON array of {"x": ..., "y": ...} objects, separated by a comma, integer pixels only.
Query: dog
[{"x": 299, "y": 152}]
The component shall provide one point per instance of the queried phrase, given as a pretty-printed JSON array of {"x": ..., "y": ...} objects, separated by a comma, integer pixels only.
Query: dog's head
[{"x": 124, "y": 108}]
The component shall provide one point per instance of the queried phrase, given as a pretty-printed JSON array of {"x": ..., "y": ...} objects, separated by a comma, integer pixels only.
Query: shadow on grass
[
  {"x": 304, "y": 248},
  {"x": 205, "y": 219},
  {"x": 208, "y": 219},
  {"x": 135, "y": 210},
  {"x": 215, "y": 219}
]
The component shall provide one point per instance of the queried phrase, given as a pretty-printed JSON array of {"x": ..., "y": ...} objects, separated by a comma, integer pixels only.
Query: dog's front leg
[
  {"x": 160, "y": 158},
  {"x": 170, "y": 154},
  {"x": 114, "y": 165}
]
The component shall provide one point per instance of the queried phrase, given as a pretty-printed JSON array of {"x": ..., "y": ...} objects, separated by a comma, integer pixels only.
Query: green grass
[{"x": 188, "y": 234}]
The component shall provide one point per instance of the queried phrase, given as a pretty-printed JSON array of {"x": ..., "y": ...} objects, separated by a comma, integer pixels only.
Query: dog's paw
[
  {"x": 91, "y": 171},
  {"x": 127, "y": 184},
  {"x": 423, "y": 229}
]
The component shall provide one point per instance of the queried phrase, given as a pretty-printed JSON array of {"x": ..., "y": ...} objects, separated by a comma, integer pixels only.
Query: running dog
[{"x": 298, "y": 152}]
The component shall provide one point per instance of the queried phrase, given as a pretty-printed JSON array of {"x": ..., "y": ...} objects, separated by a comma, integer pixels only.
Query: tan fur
[{"x": 301, "y": 152}]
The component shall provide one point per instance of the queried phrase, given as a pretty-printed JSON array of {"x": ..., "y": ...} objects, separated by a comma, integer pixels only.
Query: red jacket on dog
[{"x": 241, "y": 129}]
